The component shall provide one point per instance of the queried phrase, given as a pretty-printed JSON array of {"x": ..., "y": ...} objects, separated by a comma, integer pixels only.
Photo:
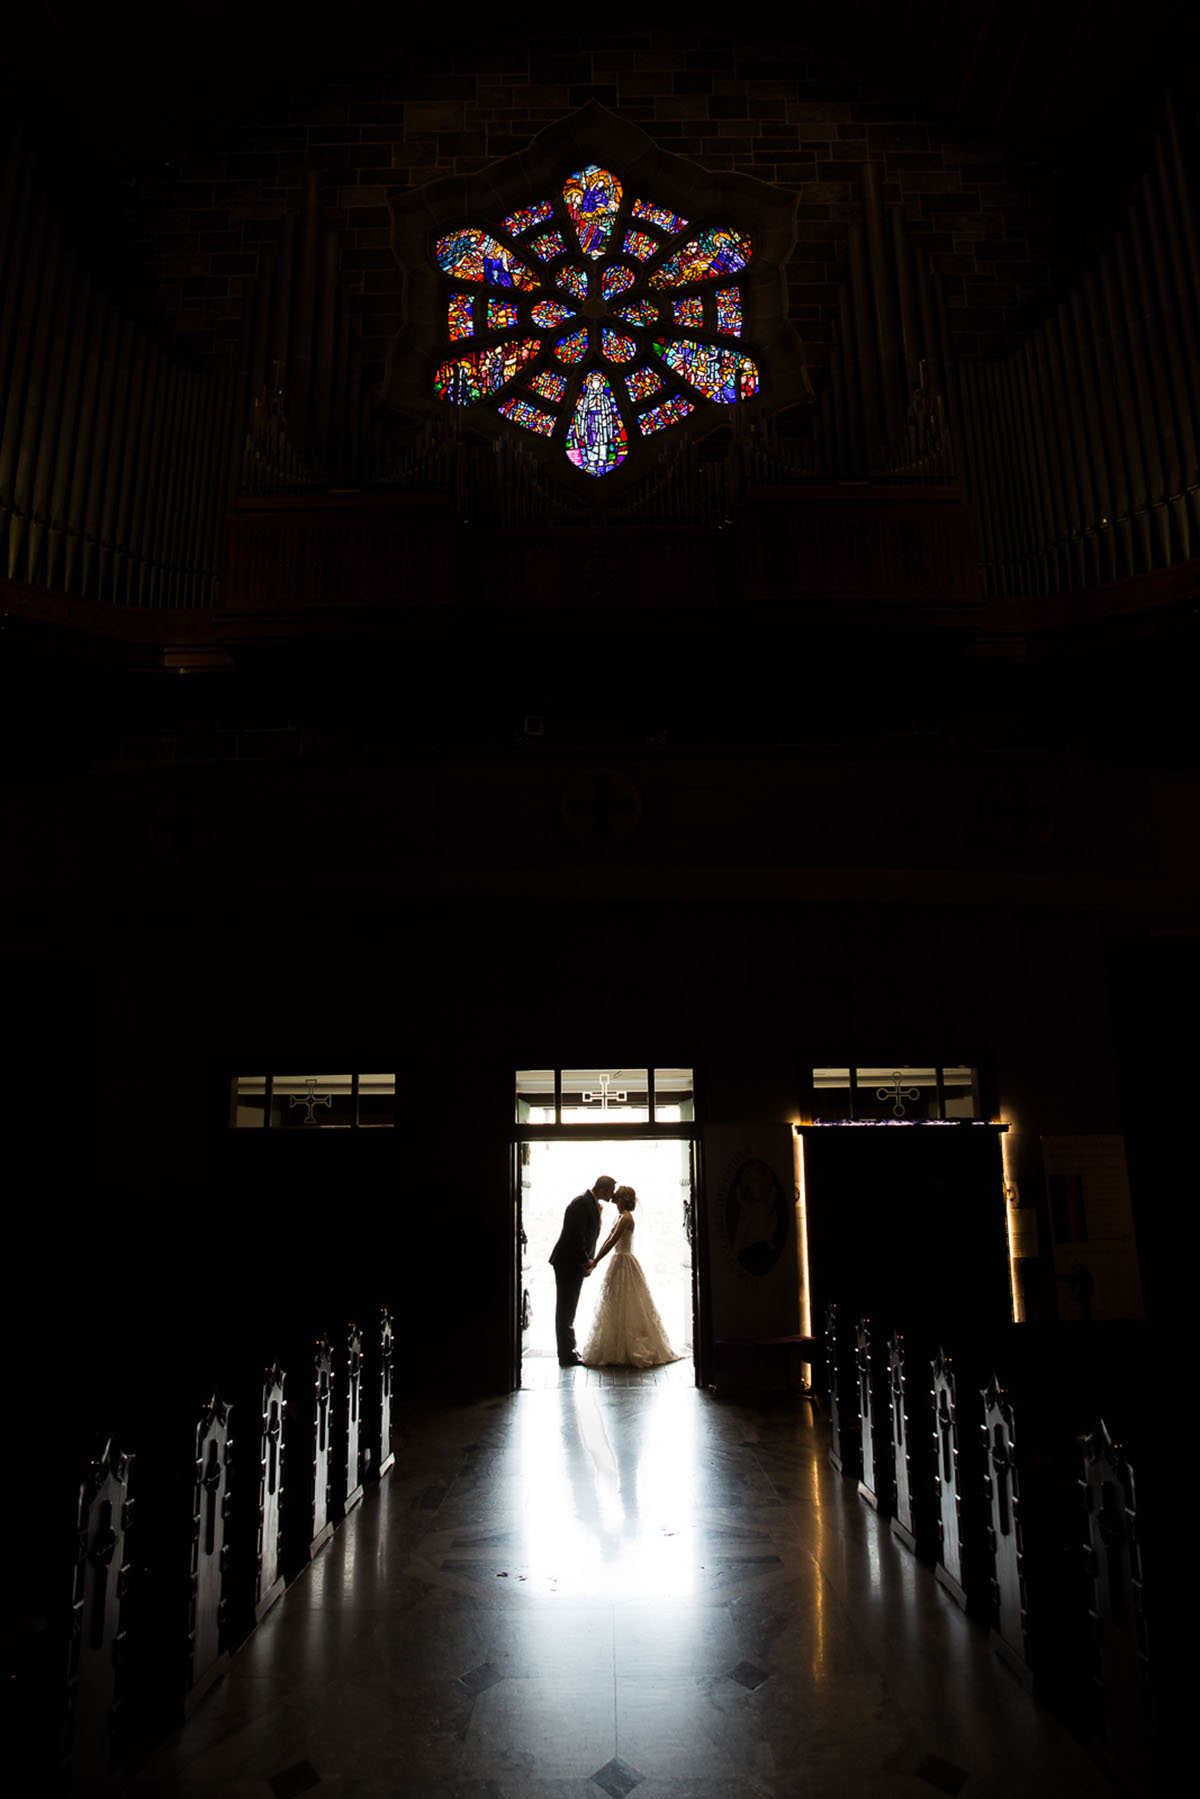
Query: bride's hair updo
[{"x": 626, "y": 1198}]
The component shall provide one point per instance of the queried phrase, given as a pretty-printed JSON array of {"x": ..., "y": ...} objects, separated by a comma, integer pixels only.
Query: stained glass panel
[
  {"x": 597, "y": 441},
  {"x": 532, "y": 417},
  {"x": 712, "y": 253},
  {"x": 592, "y": 197},
  {"x": 642, "y": 312},
  {"x": 458, "y": 316},
  {"x": 643, "y": 382},
  {"x": 616, "y": 347},
  {"x": 669, "y": 413},
  {"x": 549, "y": 313},
  {"x": 572, "y": 348},
  {"x": 575, "y": 282},
  {"x": 719, "y": 372},
  {"x": 616, "y": 280},
  {"x": 729, "y": 311},
  {"x": 466, "y": 379},
  {"x": 639, "y": 245},
  {"x": 597, "y": 434},
  {"x": 658, "y": 215},
  {"x": 472, "y": 255},
  {"x": 528, "y": 217},
  {"x": 550, "y": 385}
]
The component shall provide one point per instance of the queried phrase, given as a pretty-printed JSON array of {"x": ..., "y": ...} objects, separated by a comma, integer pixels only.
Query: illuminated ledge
[{"x": 903, "y": 1124}]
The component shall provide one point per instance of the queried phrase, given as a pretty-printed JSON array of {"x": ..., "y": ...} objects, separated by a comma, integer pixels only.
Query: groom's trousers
[{"x": 569, "y": 1282}]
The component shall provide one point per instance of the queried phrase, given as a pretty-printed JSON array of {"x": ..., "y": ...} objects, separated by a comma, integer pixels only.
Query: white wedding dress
[{"x": 627, "y": 1331}]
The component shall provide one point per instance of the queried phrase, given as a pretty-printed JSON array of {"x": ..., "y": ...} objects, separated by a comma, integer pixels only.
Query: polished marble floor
[{"x": 605, "y": 1586}]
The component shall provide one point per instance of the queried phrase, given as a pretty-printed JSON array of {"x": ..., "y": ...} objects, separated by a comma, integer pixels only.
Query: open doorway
[{"x": 553, "y": 1171}]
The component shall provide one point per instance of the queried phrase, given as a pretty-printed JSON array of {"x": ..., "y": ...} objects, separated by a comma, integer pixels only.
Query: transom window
[
  {"x": 594, "y": 318},
  {"x": 312, "y": 1102},
  {"x": 895, "y": 1094},
  {"x": 600, "y": 1096}
]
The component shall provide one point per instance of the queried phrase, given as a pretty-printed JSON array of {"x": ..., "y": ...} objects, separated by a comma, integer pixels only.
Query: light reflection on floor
[
  {"x": 602, "y": 1490},
  {"x": 605, "y": 1588}
]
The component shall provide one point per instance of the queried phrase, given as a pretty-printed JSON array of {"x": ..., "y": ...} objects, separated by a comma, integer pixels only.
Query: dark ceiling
[{"x": 1066, "y": 81}]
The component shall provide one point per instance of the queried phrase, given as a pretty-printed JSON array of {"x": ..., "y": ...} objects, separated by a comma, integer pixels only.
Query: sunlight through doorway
[{"x": 553, "y": 1172}]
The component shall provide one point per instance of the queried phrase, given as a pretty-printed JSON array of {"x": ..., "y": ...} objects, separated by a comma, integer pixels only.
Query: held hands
[{"x": 587, "y": 1267}]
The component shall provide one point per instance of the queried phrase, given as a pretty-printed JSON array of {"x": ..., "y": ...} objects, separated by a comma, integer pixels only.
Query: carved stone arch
[{"x": 705, "y": 198}]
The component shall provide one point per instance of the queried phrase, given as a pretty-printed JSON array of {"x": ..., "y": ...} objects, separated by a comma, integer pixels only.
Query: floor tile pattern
[
  {"x": 594, "y": 1583},
  {"x": 942, "y": 1775},
  {"x": 479, "y": 1679},
  {"x": 617, "y": 1778},
  {"x": 748, "y": 1675},
  {"x": 301, "y": 1777}
]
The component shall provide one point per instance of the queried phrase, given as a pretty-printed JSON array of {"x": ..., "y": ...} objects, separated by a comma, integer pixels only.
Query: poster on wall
[
  {"x": 1091, "y": 1223},
  {"x": 750, "y": 1181}
]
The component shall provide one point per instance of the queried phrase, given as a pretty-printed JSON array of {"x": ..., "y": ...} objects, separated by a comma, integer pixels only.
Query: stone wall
[{"x": 197, "y": 225}]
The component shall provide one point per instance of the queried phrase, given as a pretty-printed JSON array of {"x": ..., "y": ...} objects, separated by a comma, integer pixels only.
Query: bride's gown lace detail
[{"x": 627, "y": 1331}]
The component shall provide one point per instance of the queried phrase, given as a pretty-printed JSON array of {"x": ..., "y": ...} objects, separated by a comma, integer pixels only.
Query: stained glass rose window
[{"x": 594, "y": 319}]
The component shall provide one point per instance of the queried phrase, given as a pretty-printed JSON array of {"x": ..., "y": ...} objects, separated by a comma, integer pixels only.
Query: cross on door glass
[
  {"x": 583, "y": 1096},
  {"x": 618, "y": 1095},
  {"x": 312, "y": 1101}
]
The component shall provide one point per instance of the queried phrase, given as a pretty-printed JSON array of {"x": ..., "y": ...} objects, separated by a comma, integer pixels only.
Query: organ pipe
[
  {"x": 12, "y": 270},
  {"x": 35, "y": 466},
  {"x": 306, "y": 422},
  {"x": 1080, "y": 449},
  {"x": 74, "y": 402},
  {"x": 884, "y": 317},
  {"x": 106, "y": 441},
  {"x": 1034, "y": 451}
]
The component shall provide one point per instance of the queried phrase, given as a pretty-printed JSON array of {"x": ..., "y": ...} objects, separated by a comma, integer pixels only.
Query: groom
[{"x": 571, "y": 1259}]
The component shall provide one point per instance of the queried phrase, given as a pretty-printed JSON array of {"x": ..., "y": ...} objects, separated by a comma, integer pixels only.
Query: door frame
[{"x": 689, "y": 1133}]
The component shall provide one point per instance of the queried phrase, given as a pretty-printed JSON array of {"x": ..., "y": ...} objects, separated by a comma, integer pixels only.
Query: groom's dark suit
[{"x": 576, "y": 1245}]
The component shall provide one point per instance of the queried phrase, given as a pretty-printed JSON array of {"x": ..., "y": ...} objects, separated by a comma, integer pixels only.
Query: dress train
[{"x": 627, "y": 1331}]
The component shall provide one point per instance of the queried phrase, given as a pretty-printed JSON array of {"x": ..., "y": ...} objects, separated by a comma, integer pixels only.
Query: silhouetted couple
[{"x": 626, "y": 1330}]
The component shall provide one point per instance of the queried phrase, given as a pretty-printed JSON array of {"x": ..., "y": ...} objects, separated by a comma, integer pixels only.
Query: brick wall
[{"x": 805, "y": 122}]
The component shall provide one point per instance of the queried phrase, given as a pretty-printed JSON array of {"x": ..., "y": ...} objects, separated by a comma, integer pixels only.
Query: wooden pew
[
  {"x": 379, "y": 1413},
  {"x": 255, "y": 1491},
  {"x": 1039, "y": 1583},
  {"x": 1121, "y": 1667},
  {"x": 915, "y": 1519},
  {"x": 875, "y": 1484},
  {"x": 949, "y": 1567},
  {"x": 268, "y": 1570},
  {"x": 178, "y": 1608},
  {"x": 96, "y": 1645},
  {"x": 307, "y": 1519},
  {"x": 347, "y": 1481},
  {"x": 208, "y": 1656},
  {"x": 1009, "y": 1635},
  {"x": 843, "y": 1443}
]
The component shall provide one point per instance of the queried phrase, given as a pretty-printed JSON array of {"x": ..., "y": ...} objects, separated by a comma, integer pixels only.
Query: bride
[{"x": 626, "y": 1330}]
